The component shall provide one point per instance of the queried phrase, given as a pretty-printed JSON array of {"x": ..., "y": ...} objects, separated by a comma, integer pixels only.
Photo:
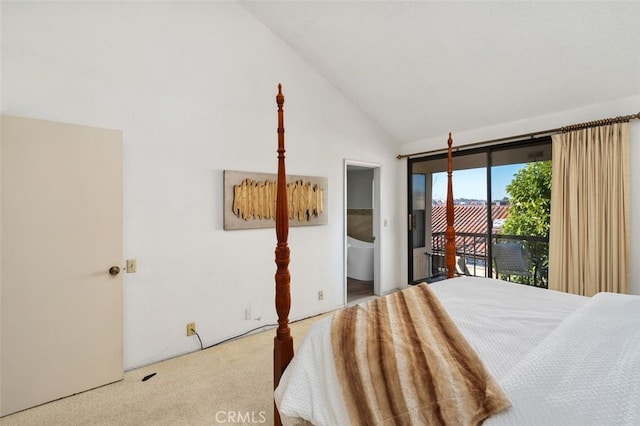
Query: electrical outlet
[
  {"x": 320, "y": 295},
  {"x": 191, "y": 328}
]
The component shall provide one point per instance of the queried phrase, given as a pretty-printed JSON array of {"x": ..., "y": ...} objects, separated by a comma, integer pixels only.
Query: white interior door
[{"x": 61, "y": 233}]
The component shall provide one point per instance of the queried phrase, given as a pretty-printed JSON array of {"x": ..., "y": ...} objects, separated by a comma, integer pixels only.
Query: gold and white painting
[{"x": 250, "y": 200}]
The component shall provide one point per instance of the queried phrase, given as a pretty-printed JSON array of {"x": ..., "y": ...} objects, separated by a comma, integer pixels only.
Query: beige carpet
[{"x": 228, "y": 384}]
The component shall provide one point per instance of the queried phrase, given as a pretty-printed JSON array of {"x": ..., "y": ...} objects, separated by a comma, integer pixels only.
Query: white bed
[
  {"x": 528, "y": 356},
  {"x": 560, "y": 358}
]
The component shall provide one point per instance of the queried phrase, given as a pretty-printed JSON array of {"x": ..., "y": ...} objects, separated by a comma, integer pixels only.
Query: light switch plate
[{"x": 132, "y": 265}]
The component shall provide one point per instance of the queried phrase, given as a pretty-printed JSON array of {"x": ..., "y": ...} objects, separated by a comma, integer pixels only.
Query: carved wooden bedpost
[
  {"x": 450, "y": 233},
  {"x": 283, "y": 342}
]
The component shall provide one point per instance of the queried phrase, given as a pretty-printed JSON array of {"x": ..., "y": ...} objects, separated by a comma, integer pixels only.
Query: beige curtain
[{"x": 590, "y": 219}]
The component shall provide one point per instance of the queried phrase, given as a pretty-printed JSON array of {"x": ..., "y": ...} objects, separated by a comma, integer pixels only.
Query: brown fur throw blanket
[{"x": 401, "y": 360}]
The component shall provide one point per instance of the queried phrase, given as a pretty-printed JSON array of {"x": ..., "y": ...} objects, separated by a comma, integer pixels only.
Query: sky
[{"x": 472, "y": 184}]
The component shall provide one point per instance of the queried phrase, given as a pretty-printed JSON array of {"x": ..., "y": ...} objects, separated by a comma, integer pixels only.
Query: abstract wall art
[{"x": 250, "y": 200}]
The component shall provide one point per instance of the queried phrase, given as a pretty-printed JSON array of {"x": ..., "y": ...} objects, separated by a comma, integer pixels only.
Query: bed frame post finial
[
  {"x": 283, "y": 342},
  {"x": 450, "y": 233}
]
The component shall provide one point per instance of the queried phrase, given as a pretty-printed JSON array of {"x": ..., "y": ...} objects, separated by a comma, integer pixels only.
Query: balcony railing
[{"x": 473, "y": 253}]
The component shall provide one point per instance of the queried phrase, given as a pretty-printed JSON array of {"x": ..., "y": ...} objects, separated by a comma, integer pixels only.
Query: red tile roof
[{"x": 467, "y": 218}]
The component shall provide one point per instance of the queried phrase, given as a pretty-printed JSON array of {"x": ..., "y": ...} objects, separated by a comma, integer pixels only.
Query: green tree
[
  {"x": 529, "y": 212},
  {"x": 530, "y": 199}
]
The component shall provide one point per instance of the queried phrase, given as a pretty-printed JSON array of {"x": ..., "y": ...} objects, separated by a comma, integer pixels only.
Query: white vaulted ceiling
[{"x": 420, "y": 69}]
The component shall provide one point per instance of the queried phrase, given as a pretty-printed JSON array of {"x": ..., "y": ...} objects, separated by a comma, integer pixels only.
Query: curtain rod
[{"x": 570, "y": 128}]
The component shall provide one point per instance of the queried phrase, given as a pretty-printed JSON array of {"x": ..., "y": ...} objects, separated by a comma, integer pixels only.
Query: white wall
[
  {"x": 614, "y": 108},
  {"x": 192, "y": 86}
]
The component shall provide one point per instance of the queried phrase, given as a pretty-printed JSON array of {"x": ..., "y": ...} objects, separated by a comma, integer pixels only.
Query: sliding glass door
[{"x": 481, "y": 178}]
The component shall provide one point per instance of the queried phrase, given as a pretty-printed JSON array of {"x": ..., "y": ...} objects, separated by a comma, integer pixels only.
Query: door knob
[{"x": 114, "y": 270}]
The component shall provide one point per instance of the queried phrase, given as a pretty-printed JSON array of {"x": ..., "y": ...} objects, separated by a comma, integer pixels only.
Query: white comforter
[
  {"x": 586, "y": 372},
  {"x": 513, "y": 328}
]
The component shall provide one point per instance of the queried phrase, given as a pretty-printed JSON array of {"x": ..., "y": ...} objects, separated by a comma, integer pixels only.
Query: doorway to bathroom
[{"x": 362, "y": 230}]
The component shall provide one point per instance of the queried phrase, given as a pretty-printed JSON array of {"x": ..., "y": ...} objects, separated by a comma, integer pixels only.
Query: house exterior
[{"x": 469, "y": 218}]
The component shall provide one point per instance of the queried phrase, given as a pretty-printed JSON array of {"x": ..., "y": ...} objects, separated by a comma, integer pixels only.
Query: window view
[
  {"x": 522, "y": 242},
  {"x": 501, "y": 217},
  {"x": 471, "y": 219}
]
